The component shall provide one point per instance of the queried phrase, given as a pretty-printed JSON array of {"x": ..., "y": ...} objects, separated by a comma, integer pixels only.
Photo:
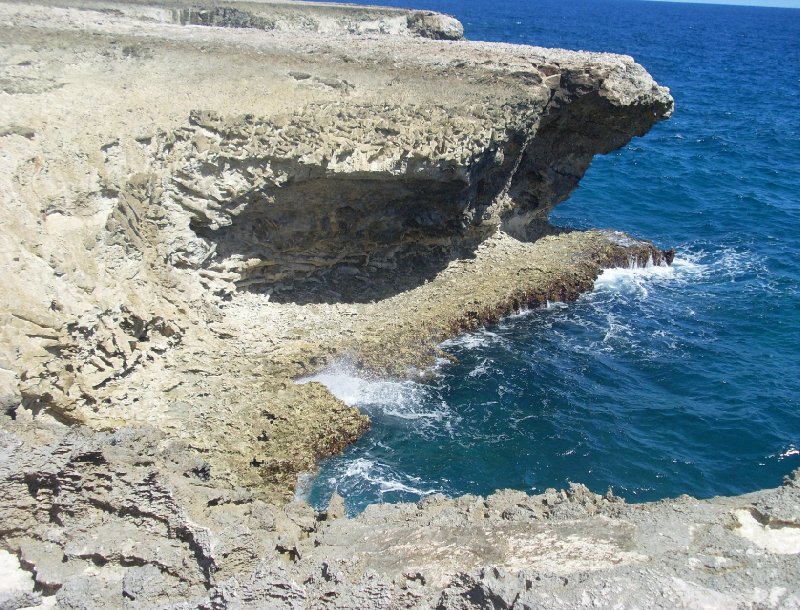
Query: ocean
[{"x": 662, "y": 381}]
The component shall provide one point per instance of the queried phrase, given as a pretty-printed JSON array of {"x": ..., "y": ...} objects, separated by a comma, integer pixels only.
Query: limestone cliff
[
  {"x": 195, "y": 214},
  {"x": 203, "y": 201},
  {"x": 118, "y": 521}
]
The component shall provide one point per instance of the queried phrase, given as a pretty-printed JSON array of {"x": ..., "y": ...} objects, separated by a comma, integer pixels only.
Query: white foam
[
  {"x": 474, "y": 339},
  {"x": 482, "y": 369},
  {"x": 615, "y": 329},
  {"x": 727, "y": 263},
  {"x": 348, "y": 389},
  {"x": 636, "y": 280},
  {"x": 469, "y": 340},
  {"x": 402, "y": 399},
  {"x": 302, "y": 491},
  {"x": 631, "y": 278},
  {"x": 687, "y": 267},
  {"x": 383, "y": 477},
  {"x": 404, "y": 414},
  {"x": 733, "y": 265},
  {"x": 347, "y": 386}
]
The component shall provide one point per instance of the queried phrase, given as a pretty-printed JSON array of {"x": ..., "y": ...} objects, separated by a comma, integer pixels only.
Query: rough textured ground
[
  {"x": 201, "y": 202},
  {"x": 127, "y": 519}
]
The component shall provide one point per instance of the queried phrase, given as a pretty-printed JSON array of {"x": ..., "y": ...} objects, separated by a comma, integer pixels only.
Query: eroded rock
[{"x": 102, "y": 528}]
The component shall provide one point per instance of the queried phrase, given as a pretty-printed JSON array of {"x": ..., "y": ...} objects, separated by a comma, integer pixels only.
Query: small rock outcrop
[{"x": 428, "y": 24}]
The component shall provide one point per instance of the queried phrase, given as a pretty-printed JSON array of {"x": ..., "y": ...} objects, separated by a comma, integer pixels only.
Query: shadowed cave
[{"x": 370, "y": 241}]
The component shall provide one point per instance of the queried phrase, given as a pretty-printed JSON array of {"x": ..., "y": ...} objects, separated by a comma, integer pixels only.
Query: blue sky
[{"x": 782, "y": 3}]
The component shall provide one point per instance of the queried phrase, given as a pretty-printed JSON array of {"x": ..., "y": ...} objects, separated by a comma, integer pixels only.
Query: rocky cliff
[
  {"x": 202, "y": 202},
  {"x": 196, "y": 214},
  {"x": 120, "y": 519}
]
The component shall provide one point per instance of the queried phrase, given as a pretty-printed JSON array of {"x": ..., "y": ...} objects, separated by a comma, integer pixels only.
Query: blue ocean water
[{"x": 661, "y": 381}]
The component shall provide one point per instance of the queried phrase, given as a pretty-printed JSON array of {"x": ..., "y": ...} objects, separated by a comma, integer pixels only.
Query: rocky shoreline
[{"x": 203, "y": 202}]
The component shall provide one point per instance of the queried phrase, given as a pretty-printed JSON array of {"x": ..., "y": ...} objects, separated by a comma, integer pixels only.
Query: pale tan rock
[
  {"x": 336, "y": 507},
  {"x": 210, "y": 207}
]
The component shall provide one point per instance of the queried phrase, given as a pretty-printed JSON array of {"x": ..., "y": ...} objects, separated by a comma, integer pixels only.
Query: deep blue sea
[{"x": 661, "y": 381}]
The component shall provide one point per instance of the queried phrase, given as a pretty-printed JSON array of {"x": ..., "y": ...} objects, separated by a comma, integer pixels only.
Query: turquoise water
[{"x": 661, "y": 381}]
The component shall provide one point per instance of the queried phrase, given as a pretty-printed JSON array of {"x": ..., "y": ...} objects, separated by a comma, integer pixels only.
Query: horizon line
[{"x": 791, "y": 4}]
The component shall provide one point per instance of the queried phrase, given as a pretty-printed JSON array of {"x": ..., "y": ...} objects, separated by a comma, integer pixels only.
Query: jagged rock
[
  {"x": 435, "y": 25},
  {"x": 336, "y": 507},
  {"x": 102, "y": 530}
]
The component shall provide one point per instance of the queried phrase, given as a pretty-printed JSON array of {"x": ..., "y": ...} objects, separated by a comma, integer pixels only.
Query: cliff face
[
  {"x": 203, "y": 202},
  {"x": 326, "y": 200},
  {"x": 325, "y": 203}
]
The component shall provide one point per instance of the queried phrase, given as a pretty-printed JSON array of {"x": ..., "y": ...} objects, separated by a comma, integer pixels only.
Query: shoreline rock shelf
[{"x": 202, "y": 202}]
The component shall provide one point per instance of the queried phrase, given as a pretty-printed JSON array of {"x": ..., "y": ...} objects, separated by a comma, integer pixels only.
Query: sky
[{"x": 780, "y": 3}]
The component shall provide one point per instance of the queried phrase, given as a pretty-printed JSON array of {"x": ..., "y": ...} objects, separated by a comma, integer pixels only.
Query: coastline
[{"x": 200, "y": 210}]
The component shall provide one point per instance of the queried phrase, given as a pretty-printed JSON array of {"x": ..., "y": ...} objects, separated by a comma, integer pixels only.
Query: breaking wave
[{"x": 399, "y": 399}]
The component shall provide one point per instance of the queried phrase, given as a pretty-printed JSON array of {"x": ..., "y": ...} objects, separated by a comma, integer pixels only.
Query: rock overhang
[{"x": 354, "y": 176}]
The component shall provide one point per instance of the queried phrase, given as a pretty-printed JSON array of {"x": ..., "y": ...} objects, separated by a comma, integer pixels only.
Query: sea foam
[
  {"x": 403, "y": 399},
  {"x": 635, "y": 280}
]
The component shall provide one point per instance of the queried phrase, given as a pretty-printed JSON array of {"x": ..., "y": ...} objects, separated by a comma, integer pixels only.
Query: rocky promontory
[{"x": 202, "y": 202}]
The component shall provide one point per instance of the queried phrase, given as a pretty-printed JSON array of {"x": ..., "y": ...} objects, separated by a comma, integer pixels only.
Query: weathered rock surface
[
  {"x": 127, "y": 519},
  {"x": 201, "y": 202},
  {"x": 280, "y": 15},
  {"x": 195, "y": 215}
]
